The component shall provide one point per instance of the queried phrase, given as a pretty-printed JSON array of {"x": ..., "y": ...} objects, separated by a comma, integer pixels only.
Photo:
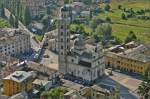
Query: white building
[
  {"x": 86, "y": 61},
  {"x": 83, "y": 60},
  {"x": 14, "y": 42},
  {"x": 37, "y": 83},
  {"x": 51, "y": 39}
]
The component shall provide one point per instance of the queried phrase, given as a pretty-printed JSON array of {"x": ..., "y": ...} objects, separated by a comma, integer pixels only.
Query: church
[{"x": 80, "y": 60}]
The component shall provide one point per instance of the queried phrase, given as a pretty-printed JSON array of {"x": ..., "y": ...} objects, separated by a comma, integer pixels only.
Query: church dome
[{"x": 79, "y": 43}]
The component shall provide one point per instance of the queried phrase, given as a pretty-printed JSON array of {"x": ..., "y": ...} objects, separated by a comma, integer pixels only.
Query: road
[
  {"x": 128, "y": 85},
  {"x": 52, "y": 61}
]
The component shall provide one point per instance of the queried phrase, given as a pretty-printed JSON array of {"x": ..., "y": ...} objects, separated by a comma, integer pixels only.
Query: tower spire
[{"x": 64, "y": 39}]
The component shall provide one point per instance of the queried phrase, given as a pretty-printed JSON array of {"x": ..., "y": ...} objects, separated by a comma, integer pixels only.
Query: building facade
[
  {"x": 86, "y": 60},
  {"x": 129, "y": 57},
  {"x": 17, "y": 82},
  {"x": 94, "y": 92},
  {"x": 14, "y": 42},
  {"x": 82, "y": 60},
  {"x": 100, "y": 92}
]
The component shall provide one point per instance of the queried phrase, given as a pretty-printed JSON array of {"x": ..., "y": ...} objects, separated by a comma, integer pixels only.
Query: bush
[
  {"x": 129, "y": 15},
  {"x": 95, "y": 22},
  {"x": 143, "y": 17},
  {"x": 124, "y": 9},
  {"x": 108, "y": 19},
  {"x": 120, "y": 7},
  {"x": 131, "y": 37},
  {"x": 4, "y": 23},
  {"x": 107, "y": 7},
  {"x": 141, "y": 12},
  {"x": 123, "y": 16},
  {"x": 45, "y": 20}
]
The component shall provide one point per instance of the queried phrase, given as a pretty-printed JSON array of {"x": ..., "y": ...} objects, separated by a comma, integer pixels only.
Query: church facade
[{"x": 81, "y": 60}]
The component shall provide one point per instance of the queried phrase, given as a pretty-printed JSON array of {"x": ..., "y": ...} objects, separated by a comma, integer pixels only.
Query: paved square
[
  {"x": 128, "y": 85},
  {"x": 127, "y": 81}
]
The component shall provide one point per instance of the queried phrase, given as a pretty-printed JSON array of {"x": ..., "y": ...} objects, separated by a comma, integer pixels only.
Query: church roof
[
  {"x": 88, "y": 55},
  {"x": 79, "y": 41}
]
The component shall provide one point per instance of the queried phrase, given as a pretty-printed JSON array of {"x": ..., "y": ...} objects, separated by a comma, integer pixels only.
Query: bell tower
[{"x": 64, "y": 38}]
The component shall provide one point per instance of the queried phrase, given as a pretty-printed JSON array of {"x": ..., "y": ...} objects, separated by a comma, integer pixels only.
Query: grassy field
[
  {"x": 121, "y": 31},
  {"x": 137, "y": 4},
  {"x": 122, "y": 27}
]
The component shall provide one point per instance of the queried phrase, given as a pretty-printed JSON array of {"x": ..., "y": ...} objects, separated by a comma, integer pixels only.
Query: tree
[
  {"x": 107, "y": 31},
  {"x": 73, "y": 28},
  {"x": 80, "y": 29},
  {"x": 21, "y": 13},
  {"x": 131, "y": 37},
  {"x": 107, "y": 7},
  {"x": 45, "y": 20},
  {"x": 120, "y": 7},
  {"x": 17, "y": 9},
  {"x": 16, "y": 22},
  {"x": 91, "y": 14},
  {"x": 108, "y": 19},
  {"x": 12, "y": 20},
  {"x": 144, "y": 88},
  {"x": 56, "y": 93},
  {"x": 123, "y": 16},
  {"x": 103, "y": 31},
  {"x": 95, "y": 22},
  {"x": 48, "y": 10},
  {"x": 2, "y": 11},
  {"x": 27, "y": 16},
  {"x": 87, "y": 2},
  {"x": 118, "y": 41}
]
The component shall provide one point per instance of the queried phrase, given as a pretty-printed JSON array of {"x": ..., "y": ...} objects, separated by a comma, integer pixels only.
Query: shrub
[
  {"x": 120, "y": 7},
  {"x": 108, "y": 19},
  {"x": 123, "y": 16},
  {"x": 107, "y": 7}
]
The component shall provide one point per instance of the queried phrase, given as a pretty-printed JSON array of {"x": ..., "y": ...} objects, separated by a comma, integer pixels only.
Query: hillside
[{"x": 121, "y": 27}]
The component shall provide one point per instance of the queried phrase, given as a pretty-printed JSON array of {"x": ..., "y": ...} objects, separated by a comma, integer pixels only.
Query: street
[{"x": 51, "y": 61}]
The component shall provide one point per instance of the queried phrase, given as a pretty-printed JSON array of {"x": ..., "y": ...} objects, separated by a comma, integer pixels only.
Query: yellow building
[
  {"x": 131, "y": 59},
  {"x": 17, "y": 82}
]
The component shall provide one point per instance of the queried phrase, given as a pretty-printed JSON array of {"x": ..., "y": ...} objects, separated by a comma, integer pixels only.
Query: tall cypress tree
[
  {"x": 12, "y": 20},
  {"x": 17, "y": 8},
  {"x": 2, "y": 11},
  {"x": 21, "y": 14},
  {"x": 27, "y": 16},
  {"x": 16, "y": 22},
  {"x": 70, "y": 9}
]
